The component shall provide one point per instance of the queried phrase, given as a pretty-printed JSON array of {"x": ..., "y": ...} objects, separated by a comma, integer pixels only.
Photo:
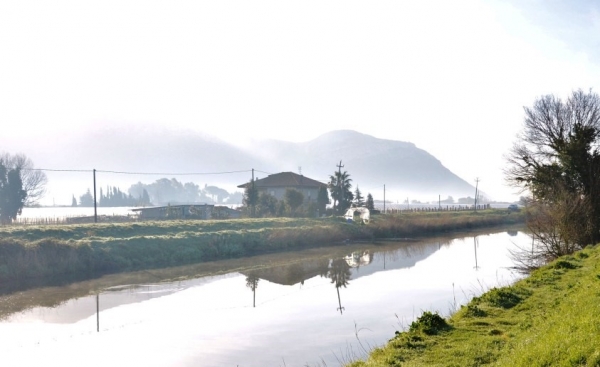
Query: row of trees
[
  {"x": 162, "y": 191},
  {"x": 340, "y": 187},
  {"x": 166, "y": 190},
  {"x": 556, "y": 160},
  {"x": 114, "y": 197}
]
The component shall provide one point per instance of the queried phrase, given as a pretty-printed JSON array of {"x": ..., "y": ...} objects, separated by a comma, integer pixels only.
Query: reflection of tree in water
[
  {"x": 252, "y": 283},
  {"x": 340, "y": 274}
]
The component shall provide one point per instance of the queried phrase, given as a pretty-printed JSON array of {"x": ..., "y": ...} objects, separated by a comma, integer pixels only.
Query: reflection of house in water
[
  {"x": 358, "y": 258},
  {"x": 293, "y": 273},
  {"x": 360, "y": 263}
]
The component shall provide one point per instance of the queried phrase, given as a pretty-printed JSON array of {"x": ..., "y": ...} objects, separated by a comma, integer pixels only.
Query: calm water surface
[{"x": 292, "y": 309}]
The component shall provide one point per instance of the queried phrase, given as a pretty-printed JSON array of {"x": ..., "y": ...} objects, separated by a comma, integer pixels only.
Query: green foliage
[
  {"x": 506, "y": 297},
  {"x": 267, "y": 205},
  {"x": 429, "y": 323},
  {"x": 340, "y": 187},
  {"x": 250, "y": 198},
  {"x": 370, "y": 204},
  {"x": 293, "y": 198},
  {"x": 322, "y": 199},
  {"x": 12, "y": 194},
  {"x": 472, "y": 310},
  {"x": 557, "y": 159},
  {"x": 563, "y": 264},
  {"x": 358, "y": 198}
]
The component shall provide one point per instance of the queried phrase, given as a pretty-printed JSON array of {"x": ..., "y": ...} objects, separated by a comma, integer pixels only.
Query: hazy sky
[{"x": 450, "y": 76}]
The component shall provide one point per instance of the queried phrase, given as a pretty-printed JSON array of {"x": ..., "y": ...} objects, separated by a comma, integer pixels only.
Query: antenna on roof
[{"x": 300, "y": 170}]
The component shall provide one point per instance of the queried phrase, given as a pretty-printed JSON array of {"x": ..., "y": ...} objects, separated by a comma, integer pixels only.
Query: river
[{"x": 315, "y": 307}]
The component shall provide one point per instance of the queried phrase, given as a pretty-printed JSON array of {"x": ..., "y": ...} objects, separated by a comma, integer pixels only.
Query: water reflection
[
  {"x": 475, "y": 245},
  {"x": 252, "y": 283},
  {"x": 163, "y": 316},
  {"x": 339, "y": 274},
  {"x": 77, "y": 300}
]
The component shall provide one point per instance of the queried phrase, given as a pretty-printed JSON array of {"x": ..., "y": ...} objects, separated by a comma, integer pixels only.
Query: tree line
[{"x": 161, "y": 192}]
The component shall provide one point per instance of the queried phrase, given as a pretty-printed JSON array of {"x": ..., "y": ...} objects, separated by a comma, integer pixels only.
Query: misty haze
[{"x": 299, "y": 183}]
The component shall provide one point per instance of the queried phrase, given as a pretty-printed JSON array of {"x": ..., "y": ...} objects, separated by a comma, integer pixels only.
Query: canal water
[{"x": 318, "y": 307}]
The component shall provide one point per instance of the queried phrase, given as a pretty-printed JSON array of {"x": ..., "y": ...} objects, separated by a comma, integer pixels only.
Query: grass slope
[{"x": 550, "y": 318}]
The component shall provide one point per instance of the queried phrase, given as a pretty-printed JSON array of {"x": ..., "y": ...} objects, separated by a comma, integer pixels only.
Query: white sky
[{"x": 450, "y": 76}]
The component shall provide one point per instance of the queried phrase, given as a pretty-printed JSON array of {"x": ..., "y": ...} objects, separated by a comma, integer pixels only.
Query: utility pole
[
  {"x": 253, "y": 195},
  {"x": 383, "y": 198},
  {"x": 339, "y": 166},
  {"x": 476, "y": 193},
  {"x": 95, "y": 206}
]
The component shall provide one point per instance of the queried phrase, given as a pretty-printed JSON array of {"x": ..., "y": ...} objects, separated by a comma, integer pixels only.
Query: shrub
[
  {"x": 474, "y": 311},
  {"x": 502, "y": 297},
  {"x": 563, "y": 264},
  {"x": 429, "y": 323}
]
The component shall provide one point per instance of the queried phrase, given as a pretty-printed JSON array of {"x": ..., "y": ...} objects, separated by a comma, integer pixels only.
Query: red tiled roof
[{"x": 285, "y": 179}]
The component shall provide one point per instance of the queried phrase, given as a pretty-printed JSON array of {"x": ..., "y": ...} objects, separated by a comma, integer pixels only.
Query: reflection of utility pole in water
[
  {"x": 252, "y": 283},
  {"x": 339, "y": 301},
  {"x": 97, "y": 312},
  {"x": 475, "y": 245},
  {"x": 339, "y": 273}
]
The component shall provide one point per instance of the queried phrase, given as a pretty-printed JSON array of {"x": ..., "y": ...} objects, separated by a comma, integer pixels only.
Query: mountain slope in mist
[{"x": 371, "y": 162}]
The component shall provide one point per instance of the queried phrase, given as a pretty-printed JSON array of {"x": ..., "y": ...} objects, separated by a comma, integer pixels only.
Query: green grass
[
  {"x": 94, "y": 249},
  {"x": 550, "y": 318}
]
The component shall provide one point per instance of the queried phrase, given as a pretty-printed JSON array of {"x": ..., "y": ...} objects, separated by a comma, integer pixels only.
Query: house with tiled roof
[{"x": 277, "y": 183}]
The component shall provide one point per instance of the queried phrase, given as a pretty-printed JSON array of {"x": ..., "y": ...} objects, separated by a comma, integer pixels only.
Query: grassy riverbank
[
  {"x": 547, "y": 319},
  {"x": 92, "y": 249}
]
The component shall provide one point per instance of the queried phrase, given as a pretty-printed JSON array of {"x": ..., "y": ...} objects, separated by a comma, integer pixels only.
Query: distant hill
[{"x": 371, "y": 162}]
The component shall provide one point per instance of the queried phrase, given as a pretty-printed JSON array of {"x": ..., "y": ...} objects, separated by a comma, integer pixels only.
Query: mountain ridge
[{"x": 402, "y": 167}]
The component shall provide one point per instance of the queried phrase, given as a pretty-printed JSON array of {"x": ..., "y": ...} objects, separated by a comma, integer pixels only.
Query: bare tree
[
  {"x": 557, "y": 160},
  {"x": 34, "y": 181}
]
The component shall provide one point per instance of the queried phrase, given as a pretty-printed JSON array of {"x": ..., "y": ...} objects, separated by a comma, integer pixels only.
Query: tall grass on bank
[
  {"x": 547, "y": 319},
  {"x": 93, "y": 249},
  {"x": 428, "y": 223}
]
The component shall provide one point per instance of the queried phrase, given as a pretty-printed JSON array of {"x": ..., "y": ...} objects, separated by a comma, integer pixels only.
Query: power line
[
  {"x": 267, "y": 173},
  {"x": 172, "y": 173},
  {"x": 56, "y": 170},
  {"x": 138, "y": 173}
]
